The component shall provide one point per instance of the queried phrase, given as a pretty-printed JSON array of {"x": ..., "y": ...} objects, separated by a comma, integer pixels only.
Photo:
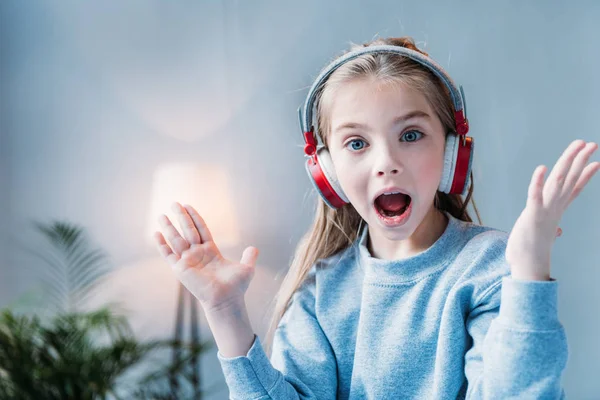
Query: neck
[{"x": 427, "y": 233}]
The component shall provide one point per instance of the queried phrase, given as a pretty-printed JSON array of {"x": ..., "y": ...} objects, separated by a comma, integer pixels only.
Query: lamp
[{"x": 206, "y": 188}]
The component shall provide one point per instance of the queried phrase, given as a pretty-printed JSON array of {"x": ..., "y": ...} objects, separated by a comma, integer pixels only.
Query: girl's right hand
[{"x": 216, "y": 282}]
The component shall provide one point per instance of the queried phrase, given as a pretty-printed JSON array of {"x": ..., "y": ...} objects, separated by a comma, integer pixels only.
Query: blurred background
[{"x": 110, "y": 111}]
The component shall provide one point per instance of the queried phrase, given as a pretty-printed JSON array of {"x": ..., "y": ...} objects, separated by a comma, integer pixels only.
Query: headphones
[{"x": 458, "y": 154}]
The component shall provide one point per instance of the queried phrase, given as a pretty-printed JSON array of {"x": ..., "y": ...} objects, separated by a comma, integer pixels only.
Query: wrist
[
  {"x": 531, "y": 271},
  {"x": 235, "y": 313},
  {"x": 231, "y": 329},
  {"x": 233, "y": 305}
]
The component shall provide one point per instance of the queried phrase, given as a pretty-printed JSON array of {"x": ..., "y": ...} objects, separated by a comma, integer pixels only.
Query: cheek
[
  {"x": 430, "y": 170},
  {"x": 348, "y": 177},
  {"x": 351, "y": 178},
  {"x": 341, "y": 170}
]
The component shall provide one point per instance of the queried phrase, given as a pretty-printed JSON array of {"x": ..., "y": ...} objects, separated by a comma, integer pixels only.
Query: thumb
[{"x": 249, "y": 256}]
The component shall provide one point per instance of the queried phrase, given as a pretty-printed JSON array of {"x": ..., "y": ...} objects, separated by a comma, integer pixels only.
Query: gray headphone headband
[{"x": 457, "y": 96}]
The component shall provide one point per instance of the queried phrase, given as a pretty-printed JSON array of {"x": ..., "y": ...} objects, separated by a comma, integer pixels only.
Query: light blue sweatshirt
[{"x": 447, "y": 323}]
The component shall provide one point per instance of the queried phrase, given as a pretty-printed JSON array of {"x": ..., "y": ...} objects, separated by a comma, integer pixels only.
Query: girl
[{"x": 394, "y": 292}]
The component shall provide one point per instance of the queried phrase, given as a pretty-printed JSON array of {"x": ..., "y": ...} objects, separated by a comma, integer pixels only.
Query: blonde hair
[{"x": 334, "y": 230}]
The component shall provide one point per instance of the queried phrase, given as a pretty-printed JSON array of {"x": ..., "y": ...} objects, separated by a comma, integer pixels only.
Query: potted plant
[{"x": 78, "y": 354}]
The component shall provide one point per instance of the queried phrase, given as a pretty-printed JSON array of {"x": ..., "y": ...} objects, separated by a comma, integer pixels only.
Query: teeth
[{"x": 392, "y": 192}]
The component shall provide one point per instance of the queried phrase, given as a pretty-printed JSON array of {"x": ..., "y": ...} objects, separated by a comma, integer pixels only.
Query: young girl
[{"x": 394, "y": 292}]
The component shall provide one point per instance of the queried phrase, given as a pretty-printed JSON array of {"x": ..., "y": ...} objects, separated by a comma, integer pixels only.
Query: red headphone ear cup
[
  {"x": 322, "y": 175},
  {"x": 458, "y": 158},
  {"x": 462, "y": 171}
]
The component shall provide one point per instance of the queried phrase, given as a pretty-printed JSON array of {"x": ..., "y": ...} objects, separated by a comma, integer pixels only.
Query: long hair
[{"x": 334, "y": 230}]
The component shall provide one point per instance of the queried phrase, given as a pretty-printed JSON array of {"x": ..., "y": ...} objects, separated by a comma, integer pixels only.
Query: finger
[
  {"x": 578, "y": 165},
  {"x": 557, "y": 177},
  {"x": 558, "y": 232},
  {"x": 534, "y": 193},
  {"x": 249, "y": 256},
  {"x": 187, "y": 225},
  {"x": 178, "y": 243},
  {"x": 164, "y": 249},
  {"x": 205, "y": 235},
  {"x": 585, "y": 177}
]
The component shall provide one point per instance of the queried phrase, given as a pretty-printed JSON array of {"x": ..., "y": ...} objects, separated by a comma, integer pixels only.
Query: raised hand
[
  {"x": 197, "y": 262},
  {"x": 530, "y": 242}
]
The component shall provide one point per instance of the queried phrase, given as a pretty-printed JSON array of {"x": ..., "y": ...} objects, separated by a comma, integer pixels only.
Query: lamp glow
[{"x": 206, "y": 188}]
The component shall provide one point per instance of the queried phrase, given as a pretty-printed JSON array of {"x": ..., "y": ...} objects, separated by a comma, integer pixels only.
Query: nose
[
  {"x": 392, "y": 172},
  {"x": 387, "y": 162}
]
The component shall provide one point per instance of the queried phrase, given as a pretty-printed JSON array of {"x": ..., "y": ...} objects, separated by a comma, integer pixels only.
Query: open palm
[
  {"x": 197, "y": 262},
  {"x": 530, "y": 242}
]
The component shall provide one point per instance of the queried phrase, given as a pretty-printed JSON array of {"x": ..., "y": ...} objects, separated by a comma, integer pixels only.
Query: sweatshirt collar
[{"x": 429, "y": 261}]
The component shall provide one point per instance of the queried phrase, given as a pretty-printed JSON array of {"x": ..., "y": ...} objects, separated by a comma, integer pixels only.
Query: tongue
[{"x": 392, "y": 202}]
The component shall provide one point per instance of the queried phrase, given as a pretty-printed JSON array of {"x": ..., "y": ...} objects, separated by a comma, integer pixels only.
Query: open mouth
[{"x": 392, "y": 205}]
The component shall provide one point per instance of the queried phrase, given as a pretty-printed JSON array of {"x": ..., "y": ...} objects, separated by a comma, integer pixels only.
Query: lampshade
[{"x": 203, "y": 186}]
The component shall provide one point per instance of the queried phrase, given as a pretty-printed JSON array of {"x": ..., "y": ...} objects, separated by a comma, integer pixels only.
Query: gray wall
[
  {"x": 5, "y": 271},
  {"x": 93, "y": 93}
]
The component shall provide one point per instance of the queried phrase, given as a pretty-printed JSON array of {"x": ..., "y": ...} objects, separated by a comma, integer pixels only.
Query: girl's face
[{"x": 384, "y": 135}]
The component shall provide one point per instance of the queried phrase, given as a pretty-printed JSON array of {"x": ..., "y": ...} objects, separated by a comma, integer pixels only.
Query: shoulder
[
  {"x": 480, "y": 261},
  {"x": 309, "y": 290},
  {"x": 331, "y": 278},
  {"x": 481, "y": 244},
  {"x": 319, "y": 272}
]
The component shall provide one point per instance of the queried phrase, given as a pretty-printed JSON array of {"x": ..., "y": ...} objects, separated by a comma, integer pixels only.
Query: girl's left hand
[{"x": 531, "y": 239}]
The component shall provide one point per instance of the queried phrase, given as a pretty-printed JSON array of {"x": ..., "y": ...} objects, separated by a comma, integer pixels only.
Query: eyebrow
[{"x": 402, "y": 118}]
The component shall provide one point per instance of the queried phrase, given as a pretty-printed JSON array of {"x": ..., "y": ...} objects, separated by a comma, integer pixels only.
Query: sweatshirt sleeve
[
  {"x": 302, "y": 364},
  {"x": 519, "y": 348}
]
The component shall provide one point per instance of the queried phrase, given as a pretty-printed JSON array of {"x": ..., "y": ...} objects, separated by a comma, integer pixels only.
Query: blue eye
[
  {"x": 355, "y": 141},
  {"x": 408, "y": 135}
]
